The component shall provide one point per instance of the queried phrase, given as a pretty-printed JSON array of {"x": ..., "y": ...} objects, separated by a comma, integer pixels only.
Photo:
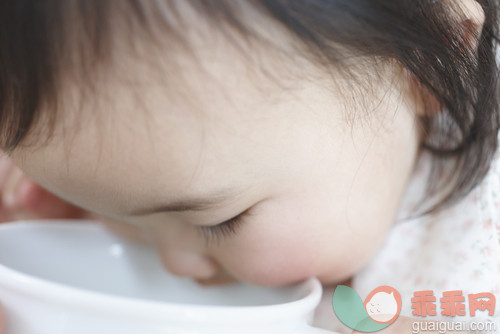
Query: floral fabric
[{"x": 455, "y": 249}]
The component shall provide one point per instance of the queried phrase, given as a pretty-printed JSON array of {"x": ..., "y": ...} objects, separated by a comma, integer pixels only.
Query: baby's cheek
[{"x": 269, "y": 265}]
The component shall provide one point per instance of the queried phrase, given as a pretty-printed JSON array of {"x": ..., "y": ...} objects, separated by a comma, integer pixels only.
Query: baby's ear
[
  {"x": 470, "y": 15},
  {"x": 467, "y": 18},
  {"x": 426, "y": 103}
]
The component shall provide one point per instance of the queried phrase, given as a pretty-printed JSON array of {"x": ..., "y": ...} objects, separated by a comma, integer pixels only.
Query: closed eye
[{"x": 226, "y": 229}]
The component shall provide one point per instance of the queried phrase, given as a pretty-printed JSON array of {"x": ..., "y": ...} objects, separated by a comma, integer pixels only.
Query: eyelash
[{"x": 225, "y": 229}]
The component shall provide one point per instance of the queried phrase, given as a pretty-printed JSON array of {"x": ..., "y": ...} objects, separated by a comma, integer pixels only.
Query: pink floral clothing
[{"x": 455, "y": 249}]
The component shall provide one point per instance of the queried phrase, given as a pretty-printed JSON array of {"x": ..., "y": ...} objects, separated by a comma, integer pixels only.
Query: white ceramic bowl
[{"x": 60, "y": 277}]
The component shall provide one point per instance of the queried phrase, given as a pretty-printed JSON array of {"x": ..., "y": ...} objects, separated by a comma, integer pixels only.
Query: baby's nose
[{"x": 190, "y": 264}]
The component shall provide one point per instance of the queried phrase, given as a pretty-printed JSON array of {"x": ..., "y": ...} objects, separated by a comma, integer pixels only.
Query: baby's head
[{"x": 301, "y": 119}]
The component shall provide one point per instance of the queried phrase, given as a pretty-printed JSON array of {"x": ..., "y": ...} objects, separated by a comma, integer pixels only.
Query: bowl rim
[{"x": 83, "y": 300}]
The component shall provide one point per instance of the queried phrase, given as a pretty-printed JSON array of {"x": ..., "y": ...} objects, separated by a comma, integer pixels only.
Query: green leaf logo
[{"x": 380, "y": 309}]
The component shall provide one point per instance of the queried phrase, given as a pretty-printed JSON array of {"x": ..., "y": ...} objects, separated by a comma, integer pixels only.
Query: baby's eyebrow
[{"x": 199, "y": 203}]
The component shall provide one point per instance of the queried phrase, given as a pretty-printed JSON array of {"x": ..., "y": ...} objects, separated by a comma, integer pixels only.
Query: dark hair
[{"x": 424, "y": 36}]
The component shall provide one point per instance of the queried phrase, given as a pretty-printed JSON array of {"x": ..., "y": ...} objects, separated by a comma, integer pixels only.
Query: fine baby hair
[{"x": 449, "y": 58}]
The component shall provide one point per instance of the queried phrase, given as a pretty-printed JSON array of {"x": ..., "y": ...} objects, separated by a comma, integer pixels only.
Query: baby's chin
[
  {"x": 223, "y": 277},
  {"x": 333, "y": 281},
  {"x": 347, "y": 282}
]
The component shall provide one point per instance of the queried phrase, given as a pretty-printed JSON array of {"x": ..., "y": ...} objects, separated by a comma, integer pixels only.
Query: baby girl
[{"x": 266, "y": 141}]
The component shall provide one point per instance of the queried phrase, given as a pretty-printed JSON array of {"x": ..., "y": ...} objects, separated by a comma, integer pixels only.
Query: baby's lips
[{"x": 221, "y": 278}]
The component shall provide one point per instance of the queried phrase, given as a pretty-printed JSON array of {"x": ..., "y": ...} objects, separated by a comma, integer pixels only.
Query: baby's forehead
[
  {"x": 87, "y": 46},
  {"x": 181, "y": 63},
  {"x": 204, "y": 112}
]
